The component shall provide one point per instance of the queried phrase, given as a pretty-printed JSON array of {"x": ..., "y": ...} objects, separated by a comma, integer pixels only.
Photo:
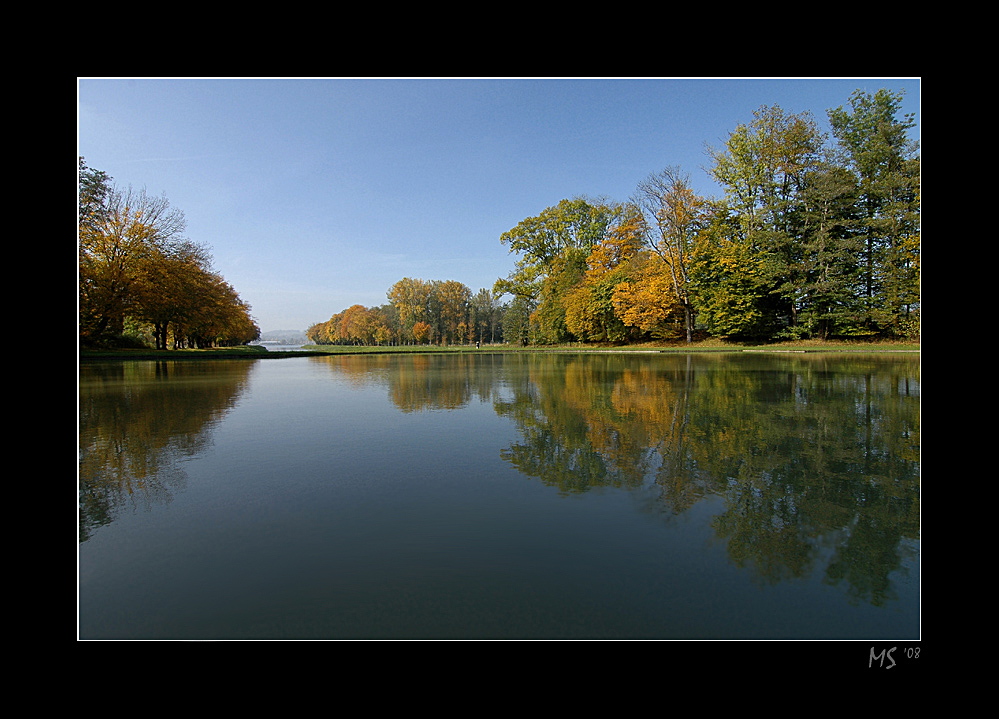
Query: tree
[
  {"x": 454, "y": 299},
  {"x": 220, "y": 318},
  {"x": 549, "y": 318},
  {"x": 422, "y": 332},
  {"x": 517, "y": 321},
  {"x": 674, "y": 215},
  {"x": 136, "y": 268},
  {"x": 728, "y": 280},
  {"x": 590, "y": 311},
  {"x": 483, "y": 315},
  {"x": 411, "y": 298},
  {"x": 571, "y": 224},
  {"x": 648, "y": 299},
  {"x": 763, "y": 169},
  {"x": 117, "y": 239},
  {"x": 877, "y": 149},
  {"x": 94, "y": 187},
  {"x": 168, "y": 289},
  {"x": 830, "y": 253},
  {"x": 553, "y": 248}
]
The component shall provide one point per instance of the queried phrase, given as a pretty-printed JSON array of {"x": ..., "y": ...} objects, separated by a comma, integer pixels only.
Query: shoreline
[{"x": 259, "y": 352}]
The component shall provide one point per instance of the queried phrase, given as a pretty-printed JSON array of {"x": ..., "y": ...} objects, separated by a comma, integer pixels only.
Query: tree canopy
[{"x": 141, "y": 280}]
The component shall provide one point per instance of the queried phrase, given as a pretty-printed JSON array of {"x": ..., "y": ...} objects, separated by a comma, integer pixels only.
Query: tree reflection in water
[
  {"x": 815, "y": 456},
  {"x": 136, "y": 419},
  {"x": 814, "y": 459}
]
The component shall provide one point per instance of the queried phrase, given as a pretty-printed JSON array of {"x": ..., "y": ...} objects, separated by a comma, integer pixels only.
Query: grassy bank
[
  {"x": 152, "y": 354},
  {"x": 712, "y": 345}
]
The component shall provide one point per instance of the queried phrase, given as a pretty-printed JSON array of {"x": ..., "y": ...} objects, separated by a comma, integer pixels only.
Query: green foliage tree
[
  {"x": 728, "y": 281},
  {"x": 831, "y": 250},
  {"x": 94, "y": 188},
  {"x": 877, "y": 149},
  {"x": 517, "y": 320},
  {"x": 549, "y": 318},
  {"x": 763, "y": 167}
]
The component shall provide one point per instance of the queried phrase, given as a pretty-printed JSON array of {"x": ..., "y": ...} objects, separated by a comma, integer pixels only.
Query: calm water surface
[{"x": 730, "y": 496}]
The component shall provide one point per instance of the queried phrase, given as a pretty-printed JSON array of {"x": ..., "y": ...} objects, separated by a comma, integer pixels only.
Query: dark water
[{"x": 730, "y": 496}]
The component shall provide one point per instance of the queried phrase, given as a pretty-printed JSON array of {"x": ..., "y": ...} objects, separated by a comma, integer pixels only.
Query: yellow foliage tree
[
  {"x": 422, "y": 332},
  {"x": 648, "y": 299}
]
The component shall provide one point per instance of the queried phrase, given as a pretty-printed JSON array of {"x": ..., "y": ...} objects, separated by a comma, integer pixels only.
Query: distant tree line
[
  {"x": 141, "y": 281},
  {"x": 419, "y": 312},
  {"x": 814, "y": 237}
]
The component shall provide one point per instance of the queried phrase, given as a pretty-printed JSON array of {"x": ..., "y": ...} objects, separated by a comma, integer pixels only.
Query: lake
[{"x": 501, "y": 496}]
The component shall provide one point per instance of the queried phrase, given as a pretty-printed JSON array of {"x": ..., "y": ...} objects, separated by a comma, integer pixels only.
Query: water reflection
[
  {"x": 815, "y": 456},
  {"x": 422, "y": 382},
  {"x": 136, "y": 419},
  {"x": 812, "y": 460}
]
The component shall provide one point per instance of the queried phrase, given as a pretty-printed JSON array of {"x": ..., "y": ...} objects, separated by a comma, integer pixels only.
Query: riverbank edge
[{"x": 258, "y": 352}]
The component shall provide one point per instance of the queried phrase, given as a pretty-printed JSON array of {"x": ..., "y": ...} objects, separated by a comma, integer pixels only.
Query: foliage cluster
[{"x": 141, "y": 282}]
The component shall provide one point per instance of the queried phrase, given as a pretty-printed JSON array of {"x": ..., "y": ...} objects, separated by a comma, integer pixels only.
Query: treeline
[
  {"x": 419, "y": 312},
  {"x": 814, "y": 236},
  {"x": 141, "y": 282}
]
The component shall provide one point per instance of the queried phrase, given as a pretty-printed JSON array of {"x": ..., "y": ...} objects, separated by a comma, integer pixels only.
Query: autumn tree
[
  {"x": 117, "y": 240},
  {"x": 220, "y": 318},
  {"x": 422, "y": 332},
  {"x": 169, "y": 289},
  {"x": 411, "y": 297},
  {"x": 674, "y": 215},
  {"x": 136, "y": 266},
  {"x": 441, "y": 305},
  {"x": 648, "y": 301},
  {"x": 453, "y": 301},
  {"x": 316, "y": 333},
  {"x": 591, "y": 314}
]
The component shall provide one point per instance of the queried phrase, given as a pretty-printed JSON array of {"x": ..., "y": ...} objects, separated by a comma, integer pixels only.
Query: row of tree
[
  {"x": 419, "y": 312},
  {"x": 141, "y": 280},
  {"x": 813, "y": 237}
]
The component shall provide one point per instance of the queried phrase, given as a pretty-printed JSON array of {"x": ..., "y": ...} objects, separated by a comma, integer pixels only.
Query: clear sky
[{"x": 317, "y": 194}]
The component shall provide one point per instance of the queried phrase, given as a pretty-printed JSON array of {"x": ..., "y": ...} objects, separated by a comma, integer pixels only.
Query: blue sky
[{"x": 316, "y": 194}]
